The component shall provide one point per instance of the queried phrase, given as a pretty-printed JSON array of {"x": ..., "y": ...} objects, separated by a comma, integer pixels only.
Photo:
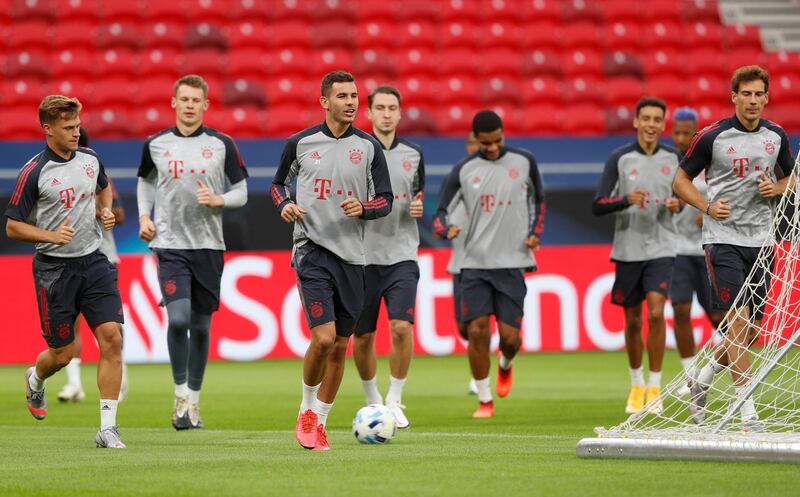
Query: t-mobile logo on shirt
[
  {"x": 67, "y": 197},
  {"x": 324, "y": 187}
]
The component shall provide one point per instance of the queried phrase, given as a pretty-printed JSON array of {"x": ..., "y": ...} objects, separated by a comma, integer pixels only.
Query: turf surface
[{"x": 248, "y": 447}]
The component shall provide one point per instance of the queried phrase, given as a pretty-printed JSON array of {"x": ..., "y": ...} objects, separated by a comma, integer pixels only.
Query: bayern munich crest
[
  {"x": 207, "y": 153},
  {"x": 407, "y": 165},
  {"x": 769, "y": 147},
  {"x": 513, "y": 173},
  {"x": 666, "y": 170},
  {"x": 170, "y": 287},
  {"x": 356, "y": 155},
  {"x": 89, "y": 170}
]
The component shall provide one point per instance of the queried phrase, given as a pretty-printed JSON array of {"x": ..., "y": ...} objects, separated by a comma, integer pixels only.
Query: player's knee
[
  {"x": 401, "y": 330},
  {"x": 109, "y": 339},
  {"x": 323, "y": 342},
  {"x": 655, "y": 314},
  {"x": 363, "y": 341},
  {"x": 462, "y": 330},
  {"x": 63, "y": 356},
  {"x": 479, "y": 330},
  {"x": 178, "y": 322}
]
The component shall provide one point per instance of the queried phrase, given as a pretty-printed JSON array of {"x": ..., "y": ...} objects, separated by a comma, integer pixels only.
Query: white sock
[
  {"x": 654, "y": 379},
  {"x": 472, "y": 386},
  {"x": 73, "y": 370},
  {"x": 194, "y": 396},
  {"x": 748, "y": 409},
  {"x": 505, "y": 364},
  {"x": 371, "y": 393},
  {"x": 686, "y": 362},
  {"x": 637, "y": 376},
  {"x": 108, "y": 413},
  {"x": 322, "y": 409},
  {"x": 484, "y": 392},
  {"x": 395, "y": 389},
  {"x": 182, "y": 390},
  {"x": 706, "y": 375},
  {"x": 36, "y": 383},
  {"x": 309, "y": 396}
]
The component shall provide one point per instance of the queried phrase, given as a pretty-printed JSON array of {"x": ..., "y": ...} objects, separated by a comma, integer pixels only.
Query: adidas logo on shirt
[{"x": 55, "y": 182}]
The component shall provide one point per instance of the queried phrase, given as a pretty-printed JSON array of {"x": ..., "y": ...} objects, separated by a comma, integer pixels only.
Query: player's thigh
[
  {"x": 728, "y": 270},
  {"x": 58, "y": 285},
  {"x": 457, "y": 297},
  {"x": 100, "y": 301},
  {"x": 682, "y": 286},
  {"x": 207, "y": 266},
  {"x": 348, "y": 294},
  {"x": 315, "y": 285},
  {"x": 657, "y": 275},
  {"x": 374, "y": 287},
  {"x": 627, "y": 290},
  {"x": 401, "y": 293},
  {"x": 476, "y": 294},
  {"x": 174, "y": 274},
  {"x": 509, "y": 296}
]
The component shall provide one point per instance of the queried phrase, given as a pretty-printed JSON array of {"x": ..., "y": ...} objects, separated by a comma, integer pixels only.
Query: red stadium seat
[
  {"x": 289, "y": 61},
  {"x": 459, "y": 89},
  {"x": 783, "y": 62},
  {"x": 20, "y": 124},
  {"x": 29, "y": 10},
  {"x": 671, "y": 11},
  {"x": 206, "y": 36},
  {"x": 21, "y": 93},
  {"x": 71, "y": 63},
  {"x": 329, "y": 59},
  {"x": 416, "y": 61},
  {"x": 700, "y": 10},
  {"x": 619, "y": 119},
  {"x": 340, "y": 34},
  {"x": 27, "y": 64},
  {"x": 663, "y": 62},
  {"x": 621, "y": 10},
  {"x": 76, "y": 10},
  {"x": 216, "y": 11},
  {"x": 706, "y": 62},
  {"x": 501, "y": 10},
  {"x": 28, "y": 35},
  {"x": 541, "y": 10},
  {"x": 584, "y": 89},
  {"x": 705, "y": 89},
  {"x": 582, "y": 35},
  {"x": 459, "y": 34},
  {"x": 539, "y": 90},
  {"x": 701, "y": 34},
  {"x": 115, "y": 62},
  {"x": 289, "y": 10},
  {"x": 155, "y": 92},
  {"x": 670, "y": 88},
  {"x": 152, "y": 119},
  {"x": 330, "y": 10},
  {"x": 116, "y": 11},
  {"x": 745, "y": 56},
  {"x": 295, "y": 33},
  {"x": 788, "y": 117},
  {"x": 110, "y": 123},
  {"x": 77, "y": 34},
  {"x": 548, "y": 120},
  {"x": 500, "y": 90},
  {"x": 581, "y": 10},
  {"x": 164, "y": 34},
  {"x": 375, "y": 62},
  {"x": 739, "y": 36},
  {"x": 544, "y": 35},
  {"x": 115, "y": 93},
  {"x": 784, "y": 89},
  {"x": 247, "y": 63},
  {"x": 459, "y": 61},
  {"x": 119, "y": 35},
  {"x": 74, "y": 86},
  {"x": 662, "y": 34},
  {"x": 512, "y": 117},
  {"x": 247, "y": 34},
  {"x": 160, "y": 62},
  {"x": 456, "y": 118},
  {"x": 584, "y": 120},
  {"x": 460, "y": 10},
  {"x": 371, "y": 10},
  {"x": 286, "y": 120},
  {"x": 417, "y": 121},
  {"x": 209, "y": 63},
  {"x": 501, "y": 62},
  {"x": 243, "y": 93},
  {"x": 252, "y": 10},
  {"x": 542, "y": 63},
  {"x": 157, "y": 10},
  {"x": 712, "y": 112},
  {"x": 376, "y": 34},
  {"x": 582, "y": 62},
  {"x": 625, "y": 91},
  {"x": 283, "y": 90},
  {"x": 505, "y": 34},
  {"x": 417, "y": 34},
  {"x": 420, "y": 90},
  {"x": 623, "y": 35},
  {"x": 622, "y": 64}
]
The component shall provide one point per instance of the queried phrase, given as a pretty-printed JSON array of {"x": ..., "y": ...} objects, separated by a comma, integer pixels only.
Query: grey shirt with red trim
[
  {"x": 690, "y": 235},
  {"x": 328, "y": 170},
  {"x": 176, "y": 162},
  {"x": 645, "y": 231},
  {"x": 734, "y": 159},
  {"x": 504, "y": 202},
  {"x": 395, "y": 237},
  {"x": 51, "y": 190}
]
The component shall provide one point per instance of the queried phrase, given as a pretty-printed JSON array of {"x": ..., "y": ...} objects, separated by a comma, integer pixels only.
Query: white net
[{"x": 741, "y": 394}]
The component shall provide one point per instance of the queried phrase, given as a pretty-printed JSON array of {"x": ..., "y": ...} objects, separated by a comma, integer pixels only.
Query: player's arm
[
  {"x": 417, "y": 207},
  {"x": 146, "y": 194},
  {"x": 24, "y": 232},
  {"x": 536, "y": 198},
  {"x": 116, "y": 206},
  {"x": 20, "y": 207},
  {"x": 697, "y": 158},
  {"x": 380, "y": 204},
  {"x": 449, "y": 193},
  {"x": 604, "y": 202},
  {"x": 281, "y": 184},
  {"x": 236, "y": 172},
  {"x": 104, "y": 200},
  {"x": 784, "y": 166}
]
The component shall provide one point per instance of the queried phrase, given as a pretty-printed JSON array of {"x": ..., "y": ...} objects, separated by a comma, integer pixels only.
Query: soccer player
[
  {"x": 341, "y": 179},
  {"x": 636, "y": 186},
  {"x": 747, "y": 162},
  {"x": 390, "y": 246},
  {"x": 73, "y": 389},
  {"x": 501, "y": 190},
  {"x": 183, "y": 174},
  {"x": 54, "y": 207},
  {"x": 689, "y": 275}
]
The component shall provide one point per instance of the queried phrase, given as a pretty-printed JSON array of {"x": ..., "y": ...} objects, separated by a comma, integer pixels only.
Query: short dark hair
[
  {"x": 192, "y": 81},
  {"x": 747, "y": 74},
  {"x": 386, "y": 90},
  {"x": 650, "y": 102},
  {"x": 55, "y": 107},
  {"x": 335, "y": 77},
  {"x": 83, "y": 139},
  {"x": 486, "y": 121}
]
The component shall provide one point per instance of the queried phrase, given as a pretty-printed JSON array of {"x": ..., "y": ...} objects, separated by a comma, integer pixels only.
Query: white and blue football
[{"x": 374, "y": 424}]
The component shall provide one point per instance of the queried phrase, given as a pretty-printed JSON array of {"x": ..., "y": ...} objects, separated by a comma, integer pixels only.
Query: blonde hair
[
  {"x": 193, "y": 81},
  {"x": 55, "y": 107}
]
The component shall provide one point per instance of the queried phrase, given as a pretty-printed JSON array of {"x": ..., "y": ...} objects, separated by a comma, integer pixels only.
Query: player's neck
[
  {"x": 337, "y": 128},
  {"x": 187, "y": 130},
  {"x": 749, "y": 125},
  {"x": 386, "y": 139},
  {"x": 648, "y": 148},
  {"x": 64, "y": 153}
]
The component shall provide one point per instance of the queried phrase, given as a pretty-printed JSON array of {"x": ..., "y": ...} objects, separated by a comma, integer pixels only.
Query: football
[{"x": 374, "y": 424}]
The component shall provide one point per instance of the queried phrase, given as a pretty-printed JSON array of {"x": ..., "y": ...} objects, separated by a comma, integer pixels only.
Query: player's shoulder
[
  {"x": 368, "y": 137},
  {"x": 155, "y": 136},
  {"x": 410, "y": 144},
  {"x": 669, "y": 149},
  {"x": 625, "y": 149},
  {"x": 88, "y": 151},
  {"x": 523, "y": 152},
  {"x": 713, "y": 130},
  {"x": 459, "y": 166},
  {"x": 37, "y": 162},
  {"x": 223, "y": 137},
  {"x": 295, "y": 138},
  {"x": 773, "y": 126}
]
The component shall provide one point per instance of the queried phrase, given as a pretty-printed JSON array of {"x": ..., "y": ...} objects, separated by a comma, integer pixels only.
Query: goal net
[{"x": 733, "y": 412}]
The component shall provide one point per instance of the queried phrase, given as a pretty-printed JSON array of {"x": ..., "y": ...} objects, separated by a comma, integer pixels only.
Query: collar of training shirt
[{"x": 199, "y": 131}]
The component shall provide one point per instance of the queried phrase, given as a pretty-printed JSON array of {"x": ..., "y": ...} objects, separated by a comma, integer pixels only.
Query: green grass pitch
[{"x": 248, "y": 446}]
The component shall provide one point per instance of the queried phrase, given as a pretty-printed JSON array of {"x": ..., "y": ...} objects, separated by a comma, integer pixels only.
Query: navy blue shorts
[
  {"x": 68, "y": 286},
  {"x": 690, "y": 276},
  {"x": 330, "y": 289},
  {"x": 493, "y": 291},
  {"x": 191, "y": 274},
  {"x": 397, "y": 285},
  {"x": 728, "y": 268},
  {"x": 633, "y": 280},
  {"x": 457, "y": 297}
]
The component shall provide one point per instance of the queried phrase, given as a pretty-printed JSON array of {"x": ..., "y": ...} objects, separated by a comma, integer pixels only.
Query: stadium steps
[{"x": 779, "y": 20}]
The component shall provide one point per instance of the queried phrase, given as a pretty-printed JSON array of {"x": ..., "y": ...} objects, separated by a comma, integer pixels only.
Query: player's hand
[
  {"x": 720, "y": 210},
  {"x": 453, "y": 231},
  {"x": 292, "y": 212},
  {"x": 532, "y": 243},
  {"x": 768, "y": 188},
  {"x": 206, "y": 197},
  {"x": 352, "y": 207},
  {"x": 64, "y": 233},
  {"x": 636, "y": 197},
  {"x": 107, "y": 218},
  {"x": 416, "y": 207},
  {"x": 698, "y": 220},
  {"x": 673, "y": 205},
  {"x": 147, "y": 229}
]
